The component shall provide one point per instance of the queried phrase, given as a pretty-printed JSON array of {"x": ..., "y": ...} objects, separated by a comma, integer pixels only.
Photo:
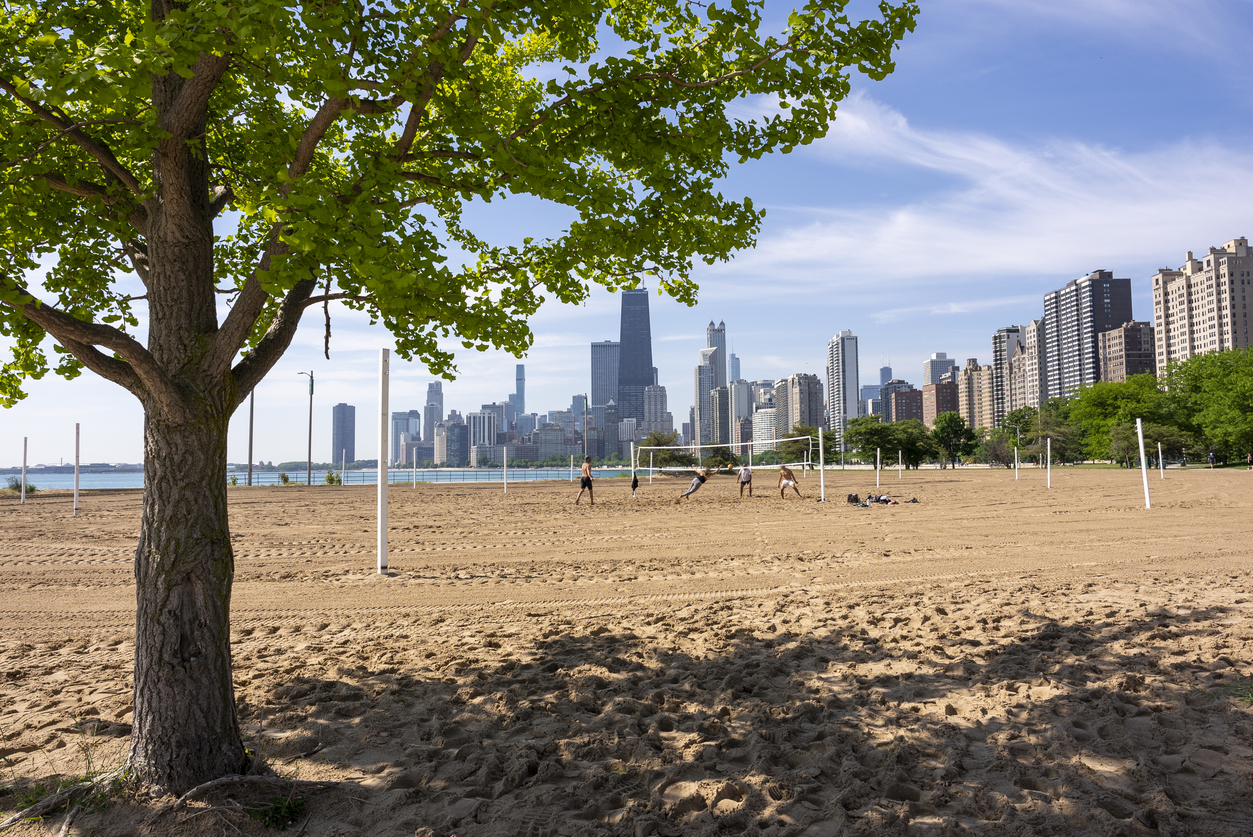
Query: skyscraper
[
  {"x": 635, "y": 363},
  {"x": 1203, "y": 306},
  {"x": 518, "y": 399},
  {"x": 703, "y": 381},
  {"x": 720, "y": 412},
  {"x": 735, "y": 367},
  {"x": 433, "y": 412},
  {"x": 1074, "y": 317},
  {"x": 343, "y": 433},
  {"x": 656, "y": 416},
  {"x": 1004, "y": 346},
  {"x": 804, "y": 400},
  {"x": 932, "y": 369},
  {"x": 885, "y": 374},
  {"x": 842, "y": 382},
  {"x": 605, "y": 359},
  {"x": 716, "y": 338},
  {"x": 408, "y": 421}
]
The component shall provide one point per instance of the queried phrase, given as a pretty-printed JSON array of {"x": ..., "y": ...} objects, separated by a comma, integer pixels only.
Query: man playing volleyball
[
  {"x": 786, "y": 478},
  {"x": 746, "y": 479},
  {"x": 701, "y": 476},
  {"x": 585, "y": 481}
]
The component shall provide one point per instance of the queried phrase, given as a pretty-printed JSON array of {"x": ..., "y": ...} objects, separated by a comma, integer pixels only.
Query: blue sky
[{"x": 1019, "y": 144}]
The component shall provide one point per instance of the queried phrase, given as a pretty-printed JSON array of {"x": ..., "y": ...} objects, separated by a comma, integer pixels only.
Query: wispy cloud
[{"x": 1056, "y": 208}]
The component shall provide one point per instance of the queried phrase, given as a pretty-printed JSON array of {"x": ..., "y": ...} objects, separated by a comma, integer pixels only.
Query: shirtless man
[
  {"x": 786, "y": 478},
  {"x": 701, "y": 476},
  {"x": 746, "y": 479},
  {"x": 585, "y": 481}
]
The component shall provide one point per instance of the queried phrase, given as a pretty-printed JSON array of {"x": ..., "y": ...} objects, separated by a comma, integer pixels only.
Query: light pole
[{"x": 309, "y": 458}]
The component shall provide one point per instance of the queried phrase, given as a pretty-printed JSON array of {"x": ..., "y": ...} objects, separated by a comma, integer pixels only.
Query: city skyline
[{"x": 1017, "y": 147}]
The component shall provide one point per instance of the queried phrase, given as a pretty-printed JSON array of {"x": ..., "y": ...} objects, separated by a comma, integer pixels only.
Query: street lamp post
[{"x": 309, "y": 457}]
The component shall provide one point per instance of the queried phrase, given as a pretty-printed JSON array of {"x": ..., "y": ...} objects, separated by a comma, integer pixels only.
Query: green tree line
[{"x": 1201, "y": 406}]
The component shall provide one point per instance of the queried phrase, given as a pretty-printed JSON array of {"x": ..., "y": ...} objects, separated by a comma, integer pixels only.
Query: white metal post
[
  {"x": 632, "y": 461},
  {"x": 1048, "y": 447},
  {"x": 1015, "y": 462},
  {"x": 878, "y": 459},
  {"x": 24, "y": 439},
  {"x": 572, "y": 465},
  {"x": 382, "y": 465},
  {"x": 415, "y": 470},
  {"x": 1144, "y": 465},
  {"x": 1161, "y": 463},
  {"x": 76, "y": 438},
  {"x": 900, "y": 463},
  {"x": 822, "y": 471},
  {"x": 650, "y": 467},
  {"x": 252, "y": 398},
  {"x": 343, "y": 464},
  {"x": 504, "y": 470}
]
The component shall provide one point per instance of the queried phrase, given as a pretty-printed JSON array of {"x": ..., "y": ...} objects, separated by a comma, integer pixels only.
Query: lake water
[{"x": 394, "y": 476}]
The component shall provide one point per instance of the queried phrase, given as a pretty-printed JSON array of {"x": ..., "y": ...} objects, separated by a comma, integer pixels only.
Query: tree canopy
[
  {"x": 184, "y": 179},
  {"x": 340, "y": 144}
]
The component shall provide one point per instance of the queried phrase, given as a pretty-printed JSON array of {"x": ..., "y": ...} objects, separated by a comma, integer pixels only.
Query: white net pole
[
  {"x": 504, "y": 469},
  {"x": 381, "y": 542},
  {"x": 878, "y": 457},
  {"x": 24, "y": 441},
  {"x": 1144, "y": 465},
  {"x": 1161, "y": 463},
  {"x": 76, "y": 446},
  {"x": 900, "y": 464},
  {"x": 650, "y": 467},
  {"x": 822, "y": 472},
  {"x": 1048, "y": 447}
]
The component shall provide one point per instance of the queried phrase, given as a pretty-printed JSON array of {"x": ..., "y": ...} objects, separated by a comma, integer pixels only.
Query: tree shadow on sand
[{"x": 915, "y": 723}]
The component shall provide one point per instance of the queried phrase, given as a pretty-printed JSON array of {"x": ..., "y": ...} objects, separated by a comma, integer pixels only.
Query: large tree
[{"x": 235, "y": 162}]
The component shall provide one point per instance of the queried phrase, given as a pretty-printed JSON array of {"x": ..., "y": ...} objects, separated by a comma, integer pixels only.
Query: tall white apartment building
[
  {"x": 843, "y": 383},
  {"x": 482, "y": 426},
  {"x": 1203, "y": 306},
  {"x": 764, "y": 434},
  {"x": 936, "y": 366}
]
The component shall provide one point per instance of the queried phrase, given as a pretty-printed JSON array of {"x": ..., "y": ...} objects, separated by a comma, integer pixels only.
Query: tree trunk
[{"x": 185, "y": 727}]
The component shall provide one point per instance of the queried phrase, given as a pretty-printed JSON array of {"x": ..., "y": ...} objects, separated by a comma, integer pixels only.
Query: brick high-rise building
[
  {"x": 1203, "y": 306},
  {"x": 938, "y": 398},
  {"x": 906, "y": 404},
  {"x": 1127, "y": 350}
]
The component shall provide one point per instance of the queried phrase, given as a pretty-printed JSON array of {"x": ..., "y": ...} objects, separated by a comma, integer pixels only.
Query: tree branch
[
  {"x": 222, "y": 198},
  {"x": 98, "y": 150},
  {"x": 145, "y": 377},
  {"x": 249, "y": 371},
  {"x": 670, "y": 77},
  {"x": 136, "y": 215},
  {"x": 185, "y": 115}
]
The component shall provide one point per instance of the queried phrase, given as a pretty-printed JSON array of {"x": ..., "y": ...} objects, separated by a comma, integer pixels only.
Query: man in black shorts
[
  {"x": 746, "y": 479},
  {"x": 585, "y": 481}
]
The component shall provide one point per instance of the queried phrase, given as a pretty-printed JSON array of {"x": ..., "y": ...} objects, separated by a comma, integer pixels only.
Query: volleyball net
[{"x": 795, "y": 452}]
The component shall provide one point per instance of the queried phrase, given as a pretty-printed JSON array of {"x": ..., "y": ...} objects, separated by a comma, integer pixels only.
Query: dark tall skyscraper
[
  {"x": 518, "y": 399},
  {"x": 343, "y": 433},
  {"x": 635, "y": 361}
]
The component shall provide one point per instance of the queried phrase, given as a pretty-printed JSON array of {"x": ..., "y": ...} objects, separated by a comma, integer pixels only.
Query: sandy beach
[{"x": 997, "y": 658}]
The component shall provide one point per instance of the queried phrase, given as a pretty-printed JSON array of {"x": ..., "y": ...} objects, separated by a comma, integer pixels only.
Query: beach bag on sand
[{"x": 853, "y": 498}]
